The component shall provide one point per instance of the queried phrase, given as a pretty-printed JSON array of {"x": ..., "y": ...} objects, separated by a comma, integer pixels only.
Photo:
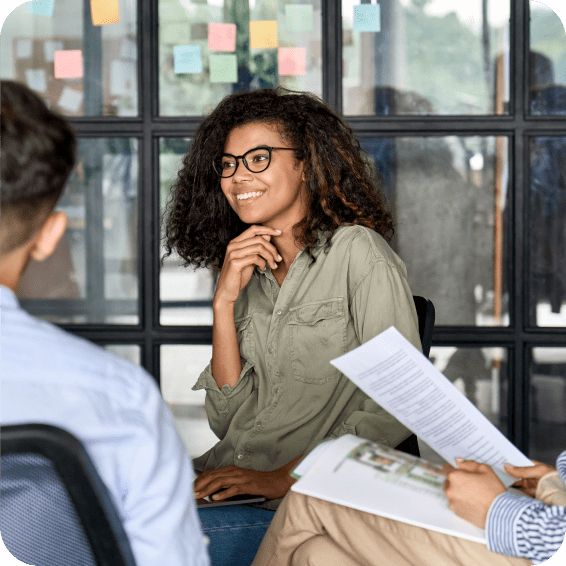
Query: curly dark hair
[{"x": 340, "y": 183}]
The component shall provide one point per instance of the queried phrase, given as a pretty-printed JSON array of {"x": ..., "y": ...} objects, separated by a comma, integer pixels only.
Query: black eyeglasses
[{"x": 256, "y": 160}]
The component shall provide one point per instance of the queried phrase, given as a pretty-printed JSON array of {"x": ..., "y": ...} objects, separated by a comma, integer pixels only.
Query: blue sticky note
[
  {"x": 367, "y": 17},
  {"x": 41, "y": 7},
  {"x": 187, "y": 59}
]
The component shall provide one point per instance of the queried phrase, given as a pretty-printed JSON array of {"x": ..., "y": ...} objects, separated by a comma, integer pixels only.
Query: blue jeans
[{"x": 235, "y": 533}]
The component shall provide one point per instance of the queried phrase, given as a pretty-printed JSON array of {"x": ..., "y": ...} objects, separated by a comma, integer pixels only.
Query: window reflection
[
  {"x": 79, "y": 68},
  {"x": 186, "y": 293},
  {"x": 431, "y": 57},
  {"x": 548, "y": 403},
  {"x": 547, "y": 212},
  {"x": 448, "y": 196},
  {"x": 93, "y": 276},
  {"x": 547, "y": 61}
]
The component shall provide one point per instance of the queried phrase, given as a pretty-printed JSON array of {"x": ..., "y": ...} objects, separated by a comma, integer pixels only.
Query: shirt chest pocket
[
  {"x": 317, "y": 335},
  {"x": 246, "y": 338}
]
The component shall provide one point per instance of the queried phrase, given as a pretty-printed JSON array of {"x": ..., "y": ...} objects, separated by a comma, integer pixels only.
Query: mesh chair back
[
  {"x": 38, "y": 521},
  {"x": 55, "y": 510}
]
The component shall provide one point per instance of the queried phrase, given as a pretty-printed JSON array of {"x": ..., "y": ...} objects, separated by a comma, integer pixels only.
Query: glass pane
[
  {"x": 425, "y": 57},
  {"x": 79, "y": 68},
  {"x": 481, "y": 374},
  {"x": 186, "y": 294},
  {"x": 93, "y": 275},
  {"x": 129, "y": 352},
  {"x": 547, "y": 212},
  {"x": 548, "y": 61},
  {"x": 181, "y": 366},
  {"x": 448, "y": 197},
  {"x": 210, "y": 49},
  {"x": 548, "y": 404}
]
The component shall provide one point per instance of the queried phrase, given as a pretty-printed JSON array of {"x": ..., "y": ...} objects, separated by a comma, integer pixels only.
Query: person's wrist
[{"x": 222, "y": 305}]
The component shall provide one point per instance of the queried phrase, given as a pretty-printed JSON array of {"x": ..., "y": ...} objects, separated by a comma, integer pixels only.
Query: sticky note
[
  {"x": 223, "y": 69},
  {"x": 222, "y": 37},
  {"x": 36, "y": 79},
  {"x": 292, "y": 61},
  {"x": 104, "y": 12},
  {"x": 263, "y": 35},
  {"x": 49, "y": 48},
  {"x": 367, "y": 17},
  {"x": 68, "y": 64},
  {"x": 199, "y": 31},
  {"x": 299, "y": 17},
  {"x": 41, "y": 7},
  {"x": 187, "y": 59},
  {"x": 71, "y": 99},
  {"x": 24, "y": 48}
]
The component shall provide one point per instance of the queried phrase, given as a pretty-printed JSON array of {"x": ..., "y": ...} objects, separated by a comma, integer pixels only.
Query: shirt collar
[{"x": 8, "y": 298}]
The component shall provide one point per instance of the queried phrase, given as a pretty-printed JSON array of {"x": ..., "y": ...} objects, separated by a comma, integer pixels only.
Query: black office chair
[
  {"x": 55, "y": 510},
  {"x": 425, "y": 314}
]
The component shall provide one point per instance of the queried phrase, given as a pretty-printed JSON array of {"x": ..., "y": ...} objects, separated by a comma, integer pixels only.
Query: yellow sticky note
[
  {"x": 263, "y": 35},
  {"x": 104, "y": 12}
]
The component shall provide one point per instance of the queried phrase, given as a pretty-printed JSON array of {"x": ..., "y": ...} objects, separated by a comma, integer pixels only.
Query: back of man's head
[{"x": 37, "y": 155}]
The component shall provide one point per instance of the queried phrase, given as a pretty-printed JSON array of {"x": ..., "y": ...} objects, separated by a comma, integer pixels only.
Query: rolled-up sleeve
[{"x": 222, "y": 403}]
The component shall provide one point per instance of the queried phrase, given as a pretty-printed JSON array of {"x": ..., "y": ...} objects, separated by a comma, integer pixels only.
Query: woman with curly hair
[{"x": 277, "y": 194}]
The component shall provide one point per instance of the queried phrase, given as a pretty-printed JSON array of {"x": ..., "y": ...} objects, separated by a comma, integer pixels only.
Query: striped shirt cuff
[
  {"x": 502, "y": 519},
  {"x": 521, "y": 526}
]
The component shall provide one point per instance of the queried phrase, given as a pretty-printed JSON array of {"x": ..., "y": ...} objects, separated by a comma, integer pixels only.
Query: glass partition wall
[{"x": 459, "y": 106}]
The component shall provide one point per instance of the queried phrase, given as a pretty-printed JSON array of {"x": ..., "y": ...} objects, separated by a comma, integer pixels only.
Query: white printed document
[
  {"x": 398, "y": 377},
  {"x": 382, "y": 481}
]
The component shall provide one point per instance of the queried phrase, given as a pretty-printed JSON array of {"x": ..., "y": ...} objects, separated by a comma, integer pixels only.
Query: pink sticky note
[
  {"x": 68, "y": 64},
  {"x": 292, "y": 61},
  {"x": 222, "y": 37}
]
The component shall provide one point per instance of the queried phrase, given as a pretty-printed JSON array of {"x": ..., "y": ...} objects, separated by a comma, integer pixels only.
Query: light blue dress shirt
[{"x": 116, "y": 410}]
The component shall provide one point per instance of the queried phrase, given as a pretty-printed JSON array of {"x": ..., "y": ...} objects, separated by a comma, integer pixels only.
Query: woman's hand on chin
[
  {"x": 233, "y": 480},
  {"x": 252, "y": 247}
]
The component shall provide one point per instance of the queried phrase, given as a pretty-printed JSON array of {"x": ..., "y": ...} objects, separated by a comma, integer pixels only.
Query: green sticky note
[
  {"x": 299, "y": 17},
  {"x": 223, "y": 69}
]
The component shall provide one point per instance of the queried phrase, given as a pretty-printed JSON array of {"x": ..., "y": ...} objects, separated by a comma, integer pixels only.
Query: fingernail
[
  {"x": 509, "y": 465},
  {"x": 278, "y": 231},
  {"x": 276, "y": 265},
  {"x": 459, "y": 459},
  {"x": 215, "y": 496},
  {"x": 279, "y": 258},
  {"x": 197, "y": 493}
]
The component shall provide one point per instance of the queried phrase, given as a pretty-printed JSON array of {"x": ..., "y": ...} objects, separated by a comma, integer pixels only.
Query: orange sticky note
[
  {"x": 222, "y": 37},
  {"x": 104, "y": 12},
  {"x": 263, "y": 35},
  {"x": 292, "y": 61},
  {"x": 68, "y": 64}
]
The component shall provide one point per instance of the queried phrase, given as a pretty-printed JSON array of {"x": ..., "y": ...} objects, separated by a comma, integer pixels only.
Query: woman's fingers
[
  {"x": 270, "y": 256},
  {"x": 257, "y": 245},
  {"x": 256, "y": 230}
]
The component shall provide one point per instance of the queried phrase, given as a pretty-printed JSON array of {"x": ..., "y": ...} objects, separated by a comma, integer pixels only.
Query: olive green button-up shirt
[{"x": 289, "y": 397}]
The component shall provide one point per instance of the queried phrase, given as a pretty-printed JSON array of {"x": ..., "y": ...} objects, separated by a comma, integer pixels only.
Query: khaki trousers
[{"x": 307, "y": 531}]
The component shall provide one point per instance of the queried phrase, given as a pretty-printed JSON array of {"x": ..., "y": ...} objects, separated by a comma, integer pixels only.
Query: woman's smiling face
[{"x": 276, "y": 197}]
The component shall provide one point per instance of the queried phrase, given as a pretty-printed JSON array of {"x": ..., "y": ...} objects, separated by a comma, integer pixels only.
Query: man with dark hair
[{"x": 52, "y": 377}]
